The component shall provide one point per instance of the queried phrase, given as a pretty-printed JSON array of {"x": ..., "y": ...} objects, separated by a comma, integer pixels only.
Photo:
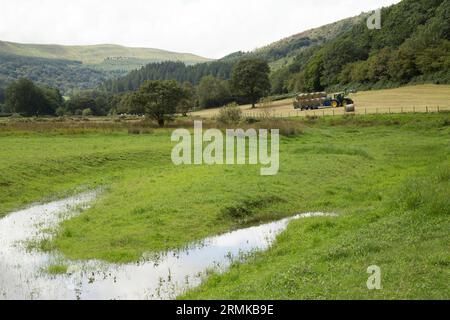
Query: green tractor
[
  {"x": 340, "y": 99},
  {"x": 320, "y": 100}
]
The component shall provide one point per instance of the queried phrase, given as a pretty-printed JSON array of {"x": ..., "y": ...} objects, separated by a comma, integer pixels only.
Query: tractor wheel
[{"x": 334, "y": 103}]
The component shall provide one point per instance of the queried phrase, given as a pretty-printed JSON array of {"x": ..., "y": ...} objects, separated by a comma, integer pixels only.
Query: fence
[{"x": 341, "y": 111}]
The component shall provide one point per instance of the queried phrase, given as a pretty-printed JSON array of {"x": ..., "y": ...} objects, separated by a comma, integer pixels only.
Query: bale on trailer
[{"x": 316, "y": 100}]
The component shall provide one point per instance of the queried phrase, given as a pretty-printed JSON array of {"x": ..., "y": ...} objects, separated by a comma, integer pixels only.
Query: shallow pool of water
[{"x": 23, "y": 273}]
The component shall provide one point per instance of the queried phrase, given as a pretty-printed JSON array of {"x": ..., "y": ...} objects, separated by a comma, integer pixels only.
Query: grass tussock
[
  {"x": 334, "y": 150},
  {"x": 246, "y": 209},
  {"x": 56, "y": 269},
  {"x": 429, "y": 195}
]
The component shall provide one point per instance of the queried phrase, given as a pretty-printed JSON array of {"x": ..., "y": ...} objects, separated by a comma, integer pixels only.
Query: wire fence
[{"x": 341, "y": 111}]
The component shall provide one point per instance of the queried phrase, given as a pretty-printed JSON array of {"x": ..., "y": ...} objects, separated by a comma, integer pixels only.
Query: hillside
[
  {"x": 70, "y": 68},
  {"x": 97, "y": 54},
  {"x": 278, "y": 54},
  {"x": 283, "y": 51},
  {"x": 66, "y": 75},
  {"x": 412, "y": 46}
]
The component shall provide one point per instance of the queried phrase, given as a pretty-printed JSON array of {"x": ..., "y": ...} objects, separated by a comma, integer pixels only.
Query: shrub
[
  {"x": 60, "y": 112},
  {"x": 230, "y": 114},
  {"x": 248, "y": 207},
  {"x": 86, "y": 112},
  {"x": 251, "y": 120}
]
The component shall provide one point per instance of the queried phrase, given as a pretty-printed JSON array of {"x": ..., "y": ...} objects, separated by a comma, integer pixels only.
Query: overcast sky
[{"x": 211, "y": 28}]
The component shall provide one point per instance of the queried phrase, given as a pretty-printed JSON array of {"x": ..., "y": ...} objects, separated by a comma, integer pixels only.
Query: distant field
[{"x": 418, "y": 98}]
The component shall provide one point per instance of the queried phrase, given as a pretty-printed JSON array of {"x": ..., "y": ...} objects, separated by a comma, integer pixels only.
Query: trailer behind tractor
[{"x": 320, "y": 100}]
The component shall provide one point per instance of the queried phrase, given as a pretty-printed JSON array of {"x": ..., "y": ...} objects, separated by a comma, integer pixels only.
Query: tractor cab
[{"x": 339, "y": 99}]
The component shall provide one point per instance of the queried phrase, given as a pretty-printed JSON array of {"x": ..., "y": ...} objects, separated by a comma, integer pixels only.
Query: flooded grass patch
[
  {"x": 24, "y": 273},
  {"x": 56, "y": 269}
]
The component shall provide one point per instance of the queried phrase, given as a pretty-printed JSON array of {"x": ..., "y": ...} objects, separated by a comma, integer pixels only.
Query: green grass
[
  {"x": 56, "y": 269},
  {"x": 327, "y": 258},
  {"x": 386, "y": 176}
]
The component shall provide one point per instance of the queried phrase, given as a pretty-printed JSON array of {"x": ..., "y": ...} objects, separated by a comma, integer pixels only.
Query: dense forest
[
  {"x": 73, "y": 68},
  {"x": 65, "y": 75},
  {"x": 170, "y": 71},
  {"x": 411, "y": 46},
  {"x": 158, "y": 99}
]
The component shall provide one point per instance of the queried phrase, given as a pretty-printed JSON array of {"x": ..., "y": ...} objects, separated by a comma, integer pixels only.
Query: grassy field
[
  {"x": 420, "y": 98},
  {"x": 387, "y": 176}
]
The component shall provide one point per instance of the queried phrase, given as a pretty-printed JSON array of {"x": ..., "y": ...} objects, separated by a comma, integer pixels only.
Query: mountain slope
[
  {"x": 70, "y": 68},
  {"x": 278, "y": 54},
  {"x": 411, "y": 46},
  {"x": 283, "y": 51},
  {"x": 66, "y": 75},
  {"x": 96, "y": 54}
]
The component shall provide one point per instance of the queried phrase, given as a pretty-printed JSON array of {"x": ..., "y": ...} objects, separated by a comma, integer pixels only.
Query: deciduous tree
[
  {"x": 159, "y": 99},
  {"x": 250, "y": 79}
]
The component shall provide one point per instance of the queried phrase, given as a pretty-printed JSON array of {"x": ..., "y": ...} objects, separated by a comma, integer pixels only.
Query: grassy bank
[
  {"x": 358, "y": 167},
  {"x": 406, "y": 235}
]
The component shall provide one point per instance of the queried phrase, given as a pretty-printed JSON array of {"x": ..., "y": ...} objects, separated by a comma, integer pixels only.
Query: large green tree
[
  {"x": 250, "y": 79},
  {"x": 159, "y": 99},
  {"x": 2, "y": 95},
  {"x": 213, "y": 92},
  {"x": 98, "y": 102},
  {"x": 189, "y": 100},
  {"x": 24, "y": 97}
]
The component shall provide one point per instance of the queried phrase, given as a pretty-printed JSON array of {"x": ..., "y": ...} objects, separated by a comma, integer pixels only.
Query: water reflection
[{"x": 23, "y": 273}]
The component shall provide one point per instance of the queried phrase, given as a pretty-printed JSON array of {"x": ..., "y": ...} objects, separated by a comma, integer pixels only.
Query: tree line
[
  {"x": 160, "y": 100},
  {"x": 170, "y": 70},
  {"x": 413, "y": 45}
]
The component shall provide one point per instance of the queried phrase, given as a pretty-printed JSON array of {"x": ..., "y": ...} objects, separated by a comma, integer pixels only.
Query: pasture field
[
  {"x": 419, "y": 98},
  {"x": 386, "y": 176}
]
